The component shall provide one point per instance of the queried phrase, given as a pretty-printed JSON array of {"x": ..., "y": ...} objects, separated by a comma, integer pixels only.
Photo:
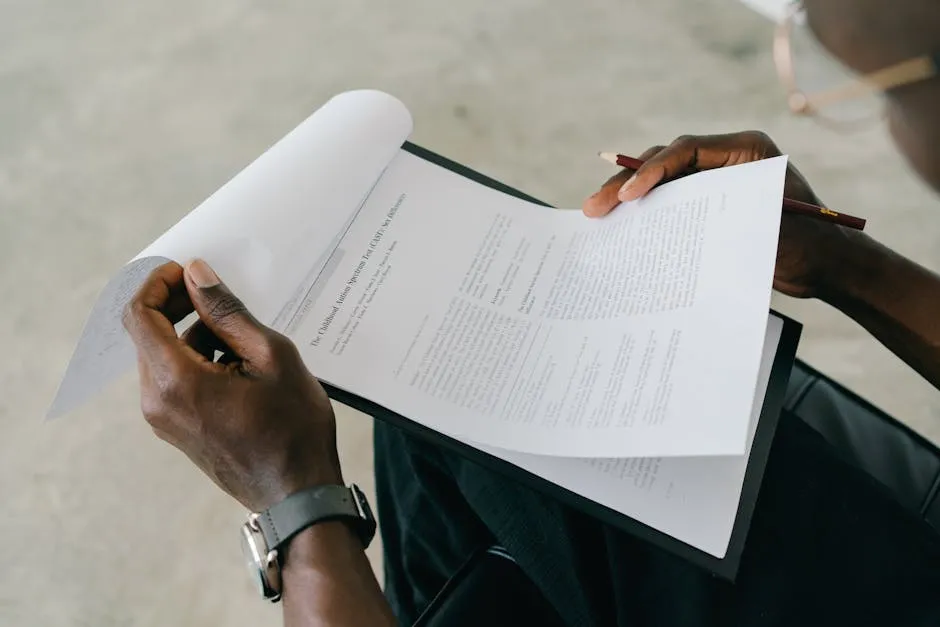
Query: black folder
[{"x": 773, "y": 403}]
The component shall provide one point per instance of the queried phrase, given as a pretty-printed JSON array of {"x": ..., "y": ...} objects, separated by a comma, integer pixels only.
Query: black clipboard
[{"x": 726, "y": 567}]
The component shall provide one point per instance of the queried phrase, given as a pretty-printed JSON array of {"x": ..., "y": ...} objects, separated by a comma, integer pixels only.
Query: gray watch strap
[{"x": 282, "y": 521}]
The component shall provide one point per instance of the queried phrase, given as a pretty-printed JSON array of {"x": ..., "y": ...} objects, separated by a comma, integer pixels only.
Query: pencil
[{"x": 789, "y": 204}]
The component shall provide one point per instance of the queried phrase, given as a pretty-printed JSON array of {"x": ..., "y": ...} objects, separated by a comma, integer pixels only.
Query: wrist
[
  {"x": 320, "y": 547},
  {"x": 853, "y": 260},
  {"x": 327, "y": 575},
  {"x": 323, "y": 470},
  {"x": 313, "y": 531},
  {"x": 326, "y": 471}
]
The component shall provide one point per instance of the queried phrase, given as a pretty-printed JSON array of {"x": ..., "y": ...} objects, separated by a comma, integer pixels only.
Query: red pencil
[{"x": 793, "y": 206}]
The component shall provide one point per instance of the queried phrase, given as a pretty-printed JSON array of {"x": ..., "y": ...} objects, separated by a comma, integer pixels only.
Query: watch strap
[{"x": 284, "y": 520}]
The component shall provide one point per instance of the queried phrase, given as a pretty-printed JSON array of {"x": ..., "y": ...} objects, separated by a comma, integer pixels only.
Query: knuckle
[
  {"x": 685, "y": 141},
  {"x": 757, "y": 136},
  {"x": 277, "y": 348},
  {"x": 265, "y": 351},
  {"x": 153, "y": 409},
  {"x": 278, "y": 341},
  {"x": 651, "y": 152},
  {"x": 167, "y": 393},
  {"x": 761, "y": 140},
  {"x": 131, "y": 313},
  {"x": 171, "y": 388},
  {"x": 225, "y": 306}
]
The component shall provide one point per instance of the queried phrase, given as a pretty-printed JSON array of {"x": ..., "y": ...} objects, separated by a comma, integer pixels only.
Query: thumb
[{"x": 223, "y": 313}]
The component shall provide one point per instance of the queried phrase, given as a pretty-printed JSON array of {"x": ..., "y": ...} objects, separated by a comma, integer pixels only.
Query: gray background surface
[{"x": 116, "y": 118}]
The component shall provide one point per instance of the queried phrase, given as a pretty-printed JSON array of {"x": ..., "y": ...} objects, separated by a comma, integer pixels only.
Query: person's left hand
[
  {"x": 808, "y": 250},
  {"x": 256, "y": 421}
]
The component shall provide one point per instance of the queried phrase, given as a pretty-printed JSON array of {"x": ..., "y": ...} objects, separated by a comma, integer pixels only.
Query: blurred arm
[{"x": 895, "y": 299}]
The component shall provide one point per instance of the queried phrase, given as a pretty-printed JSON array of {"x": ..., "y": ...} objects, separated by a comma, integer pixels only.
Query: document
[
  {"x": 692, "y": 499},
  {"x": 624, "y": 358},
  {"x": 505, "y": 323},
  {"x": 256, "y": 230}
]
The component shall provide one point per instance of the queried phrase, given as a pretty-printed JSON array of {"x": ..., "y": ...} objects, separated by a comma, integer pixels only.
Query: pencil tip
[{"x": 608, "y": 156}]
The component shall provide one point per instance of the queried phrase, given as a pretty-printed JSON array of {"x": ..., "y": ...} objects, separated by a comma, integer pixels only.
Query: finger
[
  {"x": 203, "y": 341},
  {"x": 150, "y": 315},
  {"x": 224, "y": 314},
  {"x": 603, "y": 202},
  {"x": 796, "y": 186},
  {"x": 689, "y": 153},
  {"x": 605, "y": 199},
  {"x": 227, "y": 358},
  {"x": 651, "y": 152}
]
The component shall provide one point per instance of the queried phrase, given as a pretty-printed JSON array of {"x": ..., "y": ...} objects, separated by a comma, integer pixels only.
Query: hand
[
  {"x": 807, "y": 247},
  {"x": 256, "y": 421}
]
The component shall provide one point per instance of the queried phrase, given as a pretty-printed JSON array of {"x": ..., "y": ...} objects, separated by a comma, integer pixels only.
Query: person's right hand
[
  {"x": 255, "y": 421},
  {"x": 807, "y": 247}
]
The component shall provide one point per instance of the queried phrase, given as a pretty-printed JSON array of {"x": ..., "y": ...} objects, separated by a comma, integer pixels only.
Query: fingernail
[
  {"x": 595, "y": 211},
  {"x": 201, "y": 274},
  {"x": 626, "y": 187},
  {"x": 589, "y": 208}
]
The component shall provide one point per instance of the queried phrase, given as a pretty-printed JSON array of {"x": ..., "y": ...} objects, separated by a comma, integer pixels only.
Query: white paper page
[
  {"x": 693, "y": 499},
  {"x": 446, "y": 302},
  {"x": 263, "y": 231}
]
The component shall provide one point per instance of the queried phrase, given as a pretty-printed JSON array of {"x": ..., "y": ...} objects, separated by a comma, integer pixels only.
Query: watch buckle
[
  {"x": 360, "y": 500},
  {"x": 272, "y": 566}
]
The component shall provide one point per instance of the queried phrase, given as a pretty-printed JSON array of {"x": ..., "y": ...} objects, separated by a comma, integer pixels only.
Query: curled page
[{"x": 294, "y": 199}]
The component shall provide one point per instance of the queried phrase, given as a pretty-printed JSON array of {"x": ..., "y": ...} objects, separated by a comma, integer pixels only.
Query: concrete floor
[{"x": 116, "y": 118}]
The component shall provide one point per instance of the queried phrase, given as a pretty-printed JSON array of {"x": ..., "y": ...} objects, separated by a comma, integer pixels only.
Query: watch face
[{"x": 253, "y": 559}]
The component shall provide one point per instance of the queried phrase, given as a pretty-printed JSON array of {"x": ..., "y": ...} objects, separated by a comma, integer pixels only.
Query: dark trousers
[{"x": 827, "y": 545}]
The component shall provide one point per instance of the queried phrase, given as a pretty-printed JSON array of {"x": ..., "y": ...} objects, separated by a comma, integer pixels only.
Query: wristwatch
[{"x": 268, "y": 532}]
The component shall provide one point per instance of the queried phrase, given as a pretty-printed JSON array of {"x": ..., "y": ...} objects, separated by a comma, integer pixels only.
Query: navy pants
[{"x": 827, "y": 545}]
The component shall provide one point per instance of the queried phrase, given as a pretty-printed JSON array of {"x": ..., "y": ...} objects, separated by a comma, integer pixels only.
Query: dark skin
[
  {"x": 260, "y": 425},
  {"x": 257, "y": 423},
  {"x": 895, "y": 299}
]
